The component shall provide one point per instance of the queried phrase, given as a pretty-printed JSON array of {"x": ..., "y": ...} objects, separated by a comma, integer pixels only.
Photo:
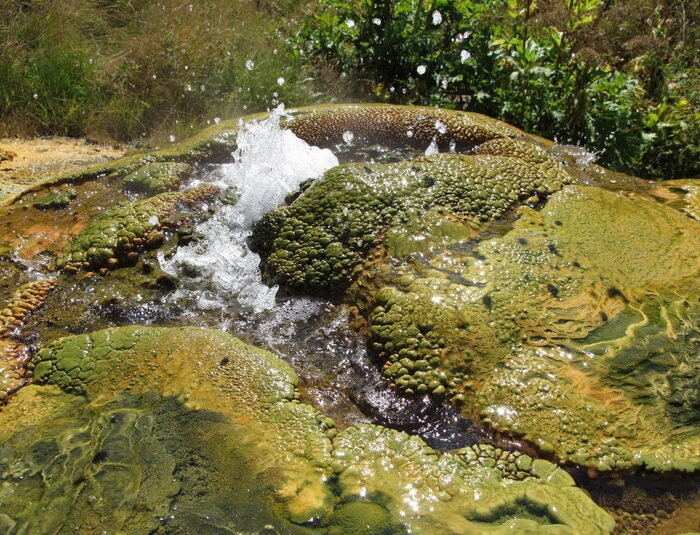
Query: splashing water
[{"x": 269, "y": 163}]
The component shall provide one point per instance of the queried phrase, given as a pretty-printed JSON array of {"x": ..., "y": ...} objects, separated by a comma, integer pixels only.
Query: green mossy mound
[
  {"x": 116, "y": 237},
  {"x": 14, "y": 355},
  {"x": 178, "y": 430},
  {"x": 316, "y": 241},
  {"x": 157, "y": 177},
  {"x": 578, "y": 329},
  {"x": 56, "y": 200}
]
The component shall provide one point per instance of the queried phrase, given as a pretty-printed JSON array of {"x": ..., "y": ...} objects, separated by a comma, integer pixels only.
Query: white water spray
[{"x": 269, "y": 163}]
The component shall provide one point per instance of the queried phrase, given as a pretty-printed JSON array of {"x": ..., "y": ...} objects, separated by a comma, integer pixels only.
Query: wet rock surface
[
  {"x": 120, "y": 387},
  {"x": 492, "y": 311},
  {"x": 576, "y": 330}
]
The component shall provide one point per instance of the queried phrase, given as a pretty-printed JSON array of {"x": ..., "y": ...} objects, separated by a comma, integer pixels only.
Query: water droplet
[
  {"x": 280, "y": 81},
  {"x": 348, "y": 137},
  {"x": 437, "y": 17},
  {"x": 465, "y": 55},
  {"x": 249, "y": 64},
  {"x": 377, "y": 21},
  {"x": 350, "y": 23},
  {"x": 171, "y": 138},
  {"x": 421, "y": 69}
]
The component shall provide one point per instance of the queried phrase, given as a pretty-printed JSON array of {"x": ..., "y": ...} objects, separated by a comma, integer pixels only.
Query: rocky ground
[{"x": 23, "y": 160}]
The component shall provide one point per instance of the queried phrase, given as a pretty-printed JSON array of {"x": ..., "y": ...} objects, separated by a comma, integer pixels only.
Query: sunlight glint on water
[{"x": 268, "y": 164}]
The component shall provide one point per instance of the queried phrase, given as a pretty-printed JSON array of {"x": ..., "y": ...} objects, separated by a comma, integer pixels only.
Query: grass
[{"x": 129, "y": 70}]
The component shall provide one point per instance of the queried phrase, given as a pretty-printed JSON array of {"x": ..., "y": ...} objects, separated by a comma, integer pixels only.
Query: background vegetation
[
  {"x": 620, "y": 77},
  {"x": 131, "y": 69}
]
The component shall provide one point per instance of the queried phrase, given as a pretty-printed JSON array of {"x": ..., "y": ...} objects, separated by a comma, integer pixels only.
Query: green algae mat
[{"x": 551, "y": 304}]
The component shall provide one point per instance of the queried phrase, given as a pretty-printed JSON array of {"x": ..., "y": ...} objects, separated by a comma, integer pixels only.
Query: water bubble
[
  {"x": 432, "y": 148},
  {"x": 465, "y": 55},
  {"x": 171, "y": 138},
  {"x": 280, "y": 81},
  {"x": 348, "y": 137},
  {"x": 421, "y": 69},
  {"x": 350, "y": 23},
  {"x": 377, "y": 21},
  {"x": 249, "y": 64},
  {"x": 437, "y": 17}
]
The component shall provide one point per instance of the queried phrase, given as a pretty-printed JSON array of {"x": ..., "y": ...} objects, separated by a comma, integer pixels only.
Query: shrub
[{"x": 566, "y": 70}]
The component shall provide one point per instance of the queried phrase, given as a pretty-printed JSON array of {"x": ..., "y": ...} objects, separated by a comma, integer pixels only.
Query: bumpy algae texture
[
  {"x": 157, "y": 177},
  {"x": 317, "y": 240},
  {"x": 473, "y": 490},
  {"x": 116, "y": 237},
  {"x": 134, "y": 430},
  {"x": 397, "y": 125},
  {"x": 282, "y": 444},
  {"x": 14, "y": 355},
  {"x": 56, "y": 200},
  {"x": 577, "y": 330}
]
